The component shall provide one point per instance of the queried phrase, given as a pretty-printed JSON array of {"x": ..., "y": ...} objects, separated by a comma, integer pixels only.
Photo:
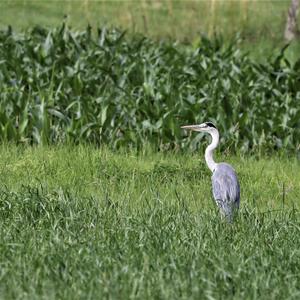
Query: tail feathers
[{"x": 228, "y": 209}]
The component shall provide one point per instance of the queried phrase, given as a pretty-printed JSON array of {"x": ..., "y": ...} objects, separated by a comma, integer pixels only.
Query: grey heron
[{"x": 225, "y": 184}]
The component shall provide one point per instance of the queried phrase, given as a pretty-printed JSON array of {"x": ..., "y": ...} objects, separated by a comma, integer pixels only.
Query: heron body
[
  {"x": 226, "y": 189},
  {"x": 225, "y": 184}
]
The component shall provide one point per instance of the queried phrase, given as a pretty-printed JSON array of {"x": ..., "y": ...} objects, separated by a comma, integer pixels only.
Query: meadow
[
  {"x": 85, "y": 223},
  {"x": 102, "y": 195},
  {"x": 259, "y": 24}
]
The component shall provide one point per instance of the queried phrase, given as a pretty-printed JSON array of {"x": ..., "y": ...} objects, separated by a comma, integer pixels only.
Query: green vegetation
[
  {"x": 125, "y": 221},
  {"x": 259, "y": 23},
  {"x": 79, "y": 222},
  {"x": 184, "y": 20},
  {"x": 61, "y": 86}
]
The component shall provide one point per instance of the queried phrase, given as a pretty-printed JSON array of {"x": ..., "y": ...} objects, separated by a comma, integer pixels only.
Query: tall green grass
[
  {"x": 259, "y": 21},
  {"x": 79, "y": 222},
  {"x": 60, "y": 86}
]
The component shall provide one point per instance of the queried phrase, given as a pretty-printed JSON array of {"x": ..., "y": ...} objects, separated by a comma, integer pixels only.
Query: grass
[
  {"x": 86, "y": 223},
  {"x": 179, "y": 19},
  {"x": 260, "y": 23}
]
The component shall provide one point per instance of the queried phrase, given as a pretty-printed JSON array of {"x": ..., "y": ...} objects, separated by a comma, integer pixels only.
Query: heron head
[{"x": 204, "y": 127}]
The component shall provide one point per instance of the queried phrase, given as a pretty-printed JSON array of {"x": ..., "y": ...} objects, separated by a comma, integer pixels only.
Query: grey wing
[{"x": 226, "y": 188}]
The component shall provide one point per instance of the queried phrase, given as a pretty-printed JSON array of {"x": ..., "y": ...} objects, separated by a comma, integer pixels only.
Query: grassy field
[
  {"x": 84, "y": 223},
  {"x": 79, "y": 222},
  {"x": 260, "y": 23},
  {"x": 177, "y": 19}
]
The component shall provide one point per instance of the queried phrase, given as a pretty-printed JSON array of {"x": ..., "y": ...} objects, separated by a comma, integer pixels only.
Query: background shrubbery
[{"x": 109, "y": 88}]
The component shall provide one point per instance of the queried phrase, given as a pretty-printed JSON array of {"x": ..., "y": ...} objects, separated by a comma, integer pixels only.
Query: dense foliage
[{"x": 59, "y": 85}]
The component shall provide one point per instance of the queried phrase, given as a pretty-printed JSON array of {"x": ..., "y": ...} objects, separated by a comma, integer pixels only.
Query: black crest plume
[{"x": 210, "y": 124}]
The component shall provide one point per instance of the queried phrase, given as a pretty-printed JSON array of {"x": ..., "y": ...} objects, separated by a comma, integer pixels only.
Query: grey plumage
[
  {"x": 226, "y": 189},
  {"x": 225, "y": 184}
]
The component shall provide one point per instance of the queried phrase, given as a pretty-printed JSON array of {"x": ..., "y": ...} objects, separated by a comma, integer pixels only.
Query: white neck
[{"x": 209, "y": 150}]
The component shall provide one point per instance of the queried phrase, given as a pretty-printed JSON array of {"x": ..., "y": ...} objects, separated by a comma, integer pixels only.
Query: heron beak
[{"x": 192, "y": 127}]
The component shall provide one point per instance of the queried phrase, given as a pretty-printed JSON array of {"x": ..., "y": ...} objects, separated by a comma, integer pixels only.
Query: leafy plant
[{"x": 105, "y": 88}]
